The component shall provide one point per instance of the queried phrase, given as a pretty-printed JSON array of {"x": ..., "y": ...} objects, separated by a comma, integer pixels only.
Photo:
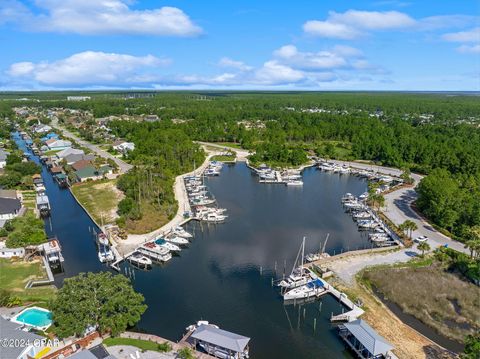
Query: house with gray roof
[
  {"x": 365, "y": 342},
  {"x": 9, "y": 208},
  {"x": 27, "y": 345},
  {"x": 75, "y": 157},
  {"x": 68, "y": 151}
]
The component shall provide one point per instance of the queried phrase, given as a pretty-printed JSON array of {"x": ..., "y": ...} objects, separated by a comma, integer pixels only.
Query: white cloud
[
  {"x": 469, "y": 49},
  {"x": 353, "y": 24},
  {"x": 89, "y": 68},
  {"x": 229, "y": 63},
  {"x": 272, "y": 73},
  {"x": 290, "y": 55},
  {"x": 472, "y": 35},
  {"x": 373, "y": 20},
  {"x": 96, "y": 17},
  {"x": 330, "y": 29}
]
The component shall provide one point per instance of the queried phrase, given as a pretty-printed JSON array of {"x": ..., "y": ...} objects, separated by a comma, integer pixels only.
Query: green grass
[
  {"x": 100, "y": 198},
  {"x": 223, "y": 158},
  {"x": 138, "y": 343},
  {"x": 423, "y": 289},
  {"x": 14, "y": 275},
  {"x": 230, "y": 144},
  {"x": 51, "y": 152}
]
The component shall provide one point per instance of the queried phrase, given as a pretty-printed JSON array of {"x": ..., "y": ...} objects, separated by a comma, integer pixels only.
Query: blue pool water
[{"x": 35, "y": 317}]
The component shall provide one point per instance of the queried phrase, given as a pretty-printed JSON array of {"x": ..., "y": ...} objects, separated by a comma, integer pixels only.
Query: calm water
[{"x": 225, "y": 274}]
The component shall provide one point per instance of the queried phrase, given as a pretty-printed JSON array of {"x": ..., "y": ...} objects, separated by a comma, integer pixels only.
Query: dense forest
[
  {"x": 436, "y": 134},
  {"x": 161, "y": 154}
]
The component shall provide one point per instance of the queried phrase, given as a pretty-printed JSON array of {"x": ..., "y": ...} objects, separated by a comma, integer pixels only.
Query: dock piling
[{"x": 314, "y": 324}]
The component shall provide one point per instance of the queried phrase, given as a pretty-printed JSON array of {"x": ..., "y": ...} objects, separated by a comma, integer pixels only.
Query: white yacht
[
  {"x": 181, "y": 232},
  {"x": 368, "y": 224},
  {"x": 140, "y": 260},
  {"x": 105, "y": 254},
  {"x": 155, "y": 252},
  {"x": 214, "y": 217},
  {"x": 160, "y": 242},
  {"x": 294, "y": 183},
  {"x": 102, "y": 239},
  {"x": 362, "y": 215},
  {"x": 172, "y": 238},
  {"x": 314, "y": 287}
]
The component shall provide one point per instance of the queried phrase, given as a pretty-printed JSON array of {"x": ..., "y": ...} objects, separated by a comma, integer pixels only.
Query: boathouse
[
  {"x": 219, "y": 342},
  {"x": 365, "y": 341}
]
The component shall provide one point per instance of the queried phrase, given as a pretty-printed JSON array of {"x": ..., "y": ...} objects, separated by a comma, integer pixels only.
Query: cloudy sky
[{"x": 311, "y": 45}]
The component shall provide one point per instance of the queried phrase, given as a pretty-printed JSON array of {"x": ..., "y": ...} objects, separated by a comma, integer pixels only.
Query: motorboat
[
  {"x": 315, "y": 287},
  {"x": 167, "y": 245},
  {"x": 367, "y": 224},
  {"x": 362, "y": 215},
  {"x": 102, "y": 239},
  {"x": 140, "y": 260},
  {"x": 105, "y": 254},
  {"x": 199, "y": 323},
  {"x": 172, "y": 238},
  {"x": 214, "y": 217},
  {"x": 151, "y": 250},
  {"x": 181, "y": 232},
  {"x": 348, "y": 197},
  {"x": 294, "y": 183}
]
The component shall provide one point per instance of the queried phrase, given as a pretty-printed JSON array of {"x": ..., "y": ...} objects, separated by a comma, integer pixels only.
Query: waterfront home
[
  {"x": 68, "y": 151},
  {"x": 3, "y": 158},
  {"x": 8, "y": 253},
  {"x": 74, "y": 157},
  {"x": 77, "y": 166},
  {"x": 54, "y": 145},
  {"x": 123, "y": 146},
  {"x": 50, "y": 136},
  {"x": 27, "y": 345},
  {"x": 364, "y": 341},
  {"x": 56, "y": 170},
  {"x": 91, "y": 173},
  {"x": 41, "y": 128},
  {"x": 9, "y": 209}
]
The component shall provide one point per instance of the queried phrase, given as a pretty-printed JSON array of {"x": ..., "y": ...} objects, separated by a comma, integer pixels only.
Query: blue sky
[{"x": 311, "y": 45}]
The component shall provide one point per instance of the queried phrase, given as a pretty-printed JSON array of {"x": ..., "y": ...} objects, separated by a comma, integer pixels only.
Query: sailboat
[
  {"x": 299, "y": 275},
  {"x": 311, "y": 257}
]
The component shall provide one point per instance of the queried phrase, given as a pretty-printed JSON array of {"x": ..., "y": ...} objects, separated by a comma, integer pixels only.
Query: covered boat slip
[
  {"x": 365, "y": 341},
  {"x": 221, "y": 343}
]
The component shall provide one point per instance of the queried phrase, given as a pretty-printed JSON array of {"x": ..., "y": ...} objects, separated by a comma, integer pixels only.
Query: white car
[{"x": 421, "y": 239}]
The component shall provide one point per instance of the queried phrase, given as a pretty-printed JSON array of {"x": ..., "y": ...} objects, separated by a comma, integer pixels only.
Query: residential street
[{"x": 123, "y": 166}]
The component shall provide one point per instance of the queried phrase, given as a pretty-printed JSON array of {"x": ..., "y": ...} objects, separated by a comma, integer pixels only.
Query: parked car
[{"x": 421, "y": 239}]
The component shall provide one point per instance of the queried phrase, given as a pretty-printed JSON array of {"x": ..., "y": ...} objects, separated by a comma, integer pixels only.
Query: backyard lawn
[
  {"x": 138, "y": 343},
  {"x": 14, "y": 275}
]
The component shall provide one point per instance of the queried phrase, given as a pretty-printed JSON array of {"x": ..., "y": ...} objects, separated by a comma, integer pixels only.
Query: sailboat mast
[{"x": 303, "y": 251}]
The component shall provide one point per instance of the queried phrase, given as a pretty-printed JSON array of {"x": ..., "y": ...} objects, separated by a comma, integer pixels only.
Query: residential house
[
  {"x": 50, "y": 136},
  {"x": 56, "y": 170},
  {"x": 69, "y": 151},
  {"x": 123, "y": 146},
  {"x": 9, "y": 208},
  {"x": 6, "y": 252},
  {"x": 77, "y": 166},
  {"x": 27, "y": 344},
  {"x": 72, "y": 158},
  {"x": 3, "y": 158},
  {"x": 41, "y": 128},
  {"x": 88, "y": 173},
  {"x": 58, "y": 144},
  {"x": 78, "y": 98}
]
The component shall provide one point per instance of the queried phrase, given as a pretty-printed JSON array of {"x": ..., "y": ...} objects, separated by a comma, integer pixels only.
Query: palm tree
[
  {"x": 424, "y": 246},
  {"x": 408, "y": 226},
  {"x": 473, "y": 242}
]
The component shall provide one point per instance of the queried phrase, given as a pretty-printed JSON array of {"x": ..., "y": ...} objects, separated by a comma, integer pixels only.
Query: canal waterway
[{"x": 225, "y": 275}]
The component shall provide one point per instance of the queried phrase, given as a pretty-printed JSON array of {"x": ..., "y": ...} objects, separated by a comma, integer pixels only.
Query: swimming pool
[{"x": 35, "y": 317}]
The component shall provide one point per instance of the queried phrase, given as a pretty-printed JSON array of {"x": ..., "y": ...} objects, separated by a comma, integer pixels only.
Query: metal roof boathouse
[
  {"x": 220, "y": 343},
  {"x": 365, "y": 341}
]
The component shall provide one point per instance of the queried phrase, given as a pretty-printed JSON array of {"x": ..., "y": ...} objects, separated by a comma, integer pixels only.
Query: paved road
[
  {"x": 398, "y": 208},
  {"x": 123, "y": 166}
]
